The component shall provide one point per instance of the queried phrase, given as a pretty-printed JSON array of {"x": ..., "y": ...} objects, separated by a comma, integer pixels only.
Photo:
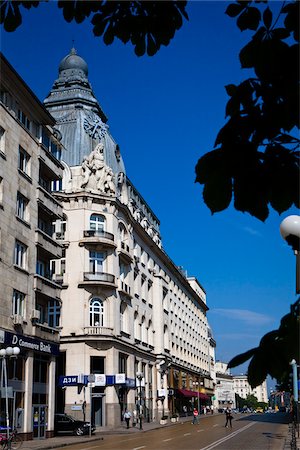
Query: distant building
[
  {"x": 243, "y": 388},
  {"x": 224, "y": 387}
]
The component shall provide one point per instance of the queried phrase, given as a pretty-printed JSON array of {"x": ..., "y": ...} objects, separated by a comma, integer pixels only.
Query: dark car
[{"x": 65, "y": 424}]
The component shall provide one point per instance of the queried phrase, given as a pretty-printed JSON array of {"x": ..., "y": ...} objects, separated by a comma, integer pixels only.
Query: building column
[
  {"x": 28, "y": 385},
  {"x": 51, "y": 397}
]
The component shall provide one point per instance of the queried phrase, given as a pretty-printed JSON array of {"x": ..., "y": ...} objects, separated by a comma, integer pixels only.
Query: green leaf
[{"x": 240, "y": 359}]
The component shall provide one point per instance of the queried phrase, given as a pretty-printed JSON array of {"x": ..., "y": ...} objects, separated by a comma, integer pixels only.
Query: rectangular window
[
  {"x": 96, "y": 262},
  {"x": 55, "y": 150},
  {"x": 18, "y": 306},
  {"x": 22, "y": 210},
  {"x": 41, "y": 268},
  {"x": 122, "y": 363},
  {"x": 53, "y": 313},
  {"x": 45, "y": 139},
  {"x": 56, "y": 185},
  {"x": 1, "y": 190},
  {"x": 24, "y": 159},
  {"x": 23, "y": 119},
  {"x": 20, "y": 257},
  {"x": 2, "y": 140}
]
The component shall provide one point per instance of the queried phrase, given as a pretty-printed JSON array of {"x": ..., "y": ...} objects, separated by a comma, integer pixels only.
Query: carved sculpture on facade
[{"x": 95, "y": 174}]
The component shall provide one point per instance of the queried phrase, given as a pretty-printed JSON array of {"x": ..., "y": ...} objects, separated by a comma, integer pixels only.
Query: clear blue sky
[{"x": 165, "y": 112}]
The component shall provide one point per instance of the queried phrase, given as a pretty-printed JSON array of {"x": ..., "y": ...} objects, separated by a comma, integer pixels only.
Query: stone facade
[
  {"x": 28, "y": 296},
  {"x": 126, "y": 307}
]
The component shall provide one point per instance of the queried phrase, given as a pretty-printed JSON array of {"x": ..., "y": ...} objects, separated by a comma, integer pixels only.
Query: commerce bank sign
[{"x": 28, "y": 343}]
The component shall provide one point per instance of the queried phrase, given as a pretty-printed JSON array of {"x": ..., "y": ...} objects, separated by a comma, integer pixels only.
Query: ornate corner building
[{"x": 131, "y": 325}]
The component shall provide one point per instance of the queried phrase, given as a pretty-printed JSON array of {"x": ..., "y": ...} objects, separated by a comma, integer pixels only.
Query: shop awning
[{"x": 187, "y": 393}]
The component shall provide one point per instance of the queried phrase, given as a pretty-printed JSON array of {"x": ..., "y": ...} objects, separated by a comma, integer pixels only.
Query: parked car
[
  {"x": 282, "y": 409},
  {"x": 259, "y": 409},
  {"x": 65, "y": 424}
]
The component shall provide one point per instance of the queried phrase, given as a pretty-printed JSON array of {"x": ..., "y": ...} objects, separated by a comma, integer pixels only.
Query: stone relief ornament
[
  {"x": 95, "y": 174},
  {"x": 94, "y": 126}
]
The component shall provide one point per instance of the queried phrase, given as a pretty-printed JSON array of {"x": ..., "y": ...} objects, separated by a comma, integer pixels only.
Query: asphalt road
[{"x": 254, "y": 432}]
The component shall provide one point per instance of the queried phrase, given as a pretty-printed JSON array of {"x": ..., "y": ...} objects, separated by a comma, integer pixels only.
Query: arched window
[
  {"x": 97, "y": 222},
  {"x": 96, "y": 312},
  {"x": 123, "y": 232}
]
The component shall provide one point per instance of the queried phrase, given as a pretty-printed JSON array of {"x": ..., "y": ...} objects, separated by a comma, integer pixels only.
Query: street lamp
[
  {"x": 140, "y": 376},
  {"x": 4, "y": 352},
  {"x": 290, "y": 231}
]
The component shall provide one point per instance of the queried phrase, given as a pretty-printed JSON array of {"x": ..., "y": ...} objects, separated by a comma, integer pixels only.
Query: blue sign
[
  {"x": 28, "y": 343},
  {"x": 72, "y": 380}
]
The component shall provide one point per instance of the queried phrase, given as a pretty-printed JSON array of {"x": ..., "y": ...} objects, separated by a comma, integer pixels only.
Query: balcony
[
  {"x": 48, "y": 201},
  {"x": 46, "y": 286},
  {"x": 124, "y": 289},
  {"x": 98, "y": 331},
  {"x": 124, "y": 252},
  {"x": 98, "y": 279},
  {"x": 98, "y": 237},
  {"x": 44, "y": 331},
  {"x": 48, "y": 244}
]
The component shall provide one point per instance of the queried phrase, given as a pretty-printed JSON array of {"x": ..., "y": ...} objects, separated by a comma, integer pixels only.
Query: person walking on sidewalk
[
  {"x": 127, "y": 417},
  {"x": 228, "y": 417},
  {"x": 195, "y": 416}
]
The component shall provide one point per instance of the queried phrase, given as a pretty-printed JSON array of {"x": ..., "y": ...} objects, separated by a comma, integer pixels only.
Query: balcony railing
[
  {"x": 124, "y": 246},
  {"x": 98, "y": 331},
  {"x": 98, "y": 233},
  {"x": 99, "y": 276},
  {"x": 125, "y": 288}
]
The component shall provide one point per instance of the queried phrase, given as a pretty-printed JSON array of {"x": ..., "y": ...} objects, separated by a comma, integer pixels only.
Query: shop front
[{"x": 30, "y": 385}]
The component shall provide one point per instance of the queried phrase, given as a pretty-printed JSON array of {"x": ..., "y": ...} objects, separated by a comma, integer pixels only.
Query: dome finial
[{"x": 73, "y": 49}]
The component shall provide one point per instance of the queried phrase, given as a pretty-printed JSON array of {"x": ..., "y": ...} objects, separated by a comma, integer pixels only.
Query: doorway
[{"x": 39, "y": 413}]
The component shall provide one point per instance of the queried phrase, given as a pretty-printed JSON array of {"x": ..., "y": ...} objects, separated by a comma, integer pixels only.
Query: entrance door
[
  {"x": 39, "y": 421},
  {"x": 97, "y": 412}
]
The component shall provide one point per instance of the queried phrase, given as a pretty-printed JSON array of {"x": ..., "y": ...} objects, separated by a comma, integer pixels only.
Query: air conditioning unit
[
  {"x": 35, "y": 314},
  {"x": 17, "y": 319}
]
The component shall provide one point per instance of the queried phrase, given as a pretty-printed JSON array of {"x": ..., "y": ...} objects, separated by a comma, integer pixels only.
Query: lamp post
[
  {"x": 140, "y": 376},
  {"x": 290, "y": 231},
  {"x": 4, "y": 352}
]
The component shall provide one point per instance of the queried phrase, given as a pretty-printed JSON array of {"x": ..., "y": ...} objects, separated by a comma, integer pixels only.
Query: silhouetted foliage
[
  {"x": 256, "y": 157},
  {"x": 275, "y": 352},
  {"x": 255, "y": 161},
  {"x": 146, "y": 24}
]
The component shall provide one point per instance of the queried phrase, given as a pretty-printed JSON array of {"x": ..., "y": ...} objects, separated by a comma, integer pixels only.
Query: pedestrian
[
  {"x": 185, "y": 410},
  {"x": 228, "y": 417},
  {"x": 127, "y": 417},
  {"x": 195, "y": 416}
]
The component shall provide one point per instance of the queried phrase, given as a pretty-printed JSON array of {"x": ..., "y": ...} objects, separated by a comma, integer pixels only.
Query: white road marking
[
  {"x": 166, "y": 440},
  {"x": 187, "y": 434},
  {"x": 198, "y": 431},
  {"x": 216, "y": 425},
  {"x": 224, "y": 439},
  {"x": 138, "y": 448}
]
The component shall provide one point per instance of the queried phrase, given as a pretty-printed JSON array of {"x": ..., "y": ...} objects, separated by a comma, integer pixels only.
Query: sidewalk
[{"x": 64, "y": 441}]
